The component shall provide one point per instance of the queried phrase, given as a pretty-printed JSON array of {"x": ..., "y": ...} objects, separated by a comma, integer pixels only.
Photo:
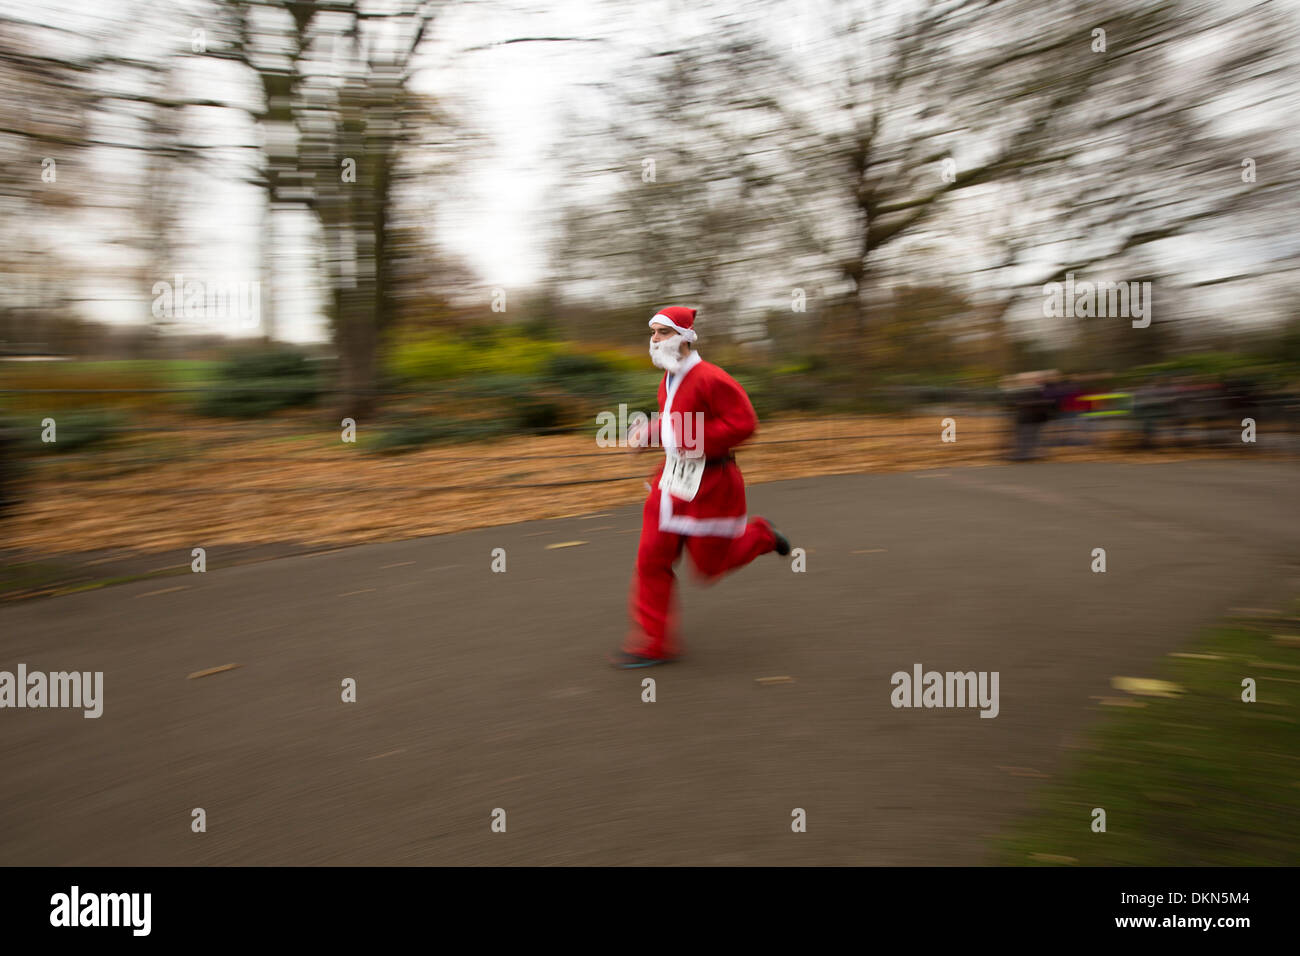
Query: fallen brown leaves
[{"x": 328, "y": 493}]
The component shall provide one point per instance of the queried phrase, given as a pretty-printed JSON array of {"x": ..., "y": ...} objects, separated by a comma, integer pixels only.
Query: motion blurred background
[{"x": 231, "y": 226}]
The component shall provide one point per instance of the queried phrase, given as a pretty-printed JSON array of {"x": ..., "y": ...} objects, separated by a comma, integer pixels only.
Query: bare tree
[{"x": 995, "y": 145}]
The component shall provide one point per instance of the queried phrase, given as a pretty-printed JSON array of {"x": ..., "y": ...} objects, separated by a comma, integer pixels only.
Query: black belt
[{"x": 730, "y": 456}]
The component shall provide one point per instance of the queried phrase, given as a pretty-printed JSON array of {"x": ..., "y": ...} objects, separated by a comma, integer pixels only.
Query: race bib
[{"x": 681, "y": 477}]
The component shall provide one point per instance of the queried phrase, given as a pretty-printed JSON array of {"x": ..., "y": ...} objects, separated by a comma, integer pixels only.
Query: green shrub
[
  {"x": 429, "y": 360},
  {"x": 622, "y": 361},
  {"x": 485, "y": 351},
  {"x": 257, "y": 382},
  {"x": 517, "y": 354},
  {"x": 262, "y": 364},
  {"x": 579, "y": 374},
  {"x": 1212, "y": 366},
  {"x": 638, "y": 390},
  {"x": 500, "y": 386},
  {"x": 570, "y": 364},
  {"x": 73, "y": 430},
  {"x": 799, "y": 395},
  {"x": 539, "y": 415},
  {"x": 413, "y": 433},
  {"x": 566, "y": 391}
]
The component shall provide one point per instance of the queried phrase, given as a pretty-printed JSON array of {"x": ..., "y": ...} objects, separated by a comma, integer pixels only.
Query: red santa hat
[{"x": 678, "y": 317}]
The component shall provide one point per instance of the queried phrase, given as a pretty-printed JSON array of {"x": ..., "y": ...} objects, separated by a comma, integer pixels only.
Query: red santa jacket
[{"x": 718, "y": 509}]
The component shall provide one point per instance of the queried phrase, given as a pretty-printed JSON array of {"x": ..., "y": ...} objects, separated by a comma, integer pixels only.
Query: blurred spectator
[{"x": 1032, "y": 405}]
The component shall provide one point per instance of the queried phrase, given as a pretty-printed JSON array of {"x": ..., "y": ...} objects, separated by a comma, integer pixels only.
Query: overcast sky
[{"x": 515, "y": 93}]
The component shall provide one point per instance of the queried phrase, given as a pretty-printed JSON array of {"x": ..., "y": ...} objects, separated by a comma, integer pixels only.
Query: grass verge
[
  {"x": 30, "y": 579},
  {"x": 1196, "y": 778}
]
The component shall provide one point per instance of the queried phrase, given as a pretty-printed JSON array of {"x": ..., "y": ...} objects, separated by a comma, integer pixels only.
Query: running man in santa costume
[{"x": 697, "y": 494}]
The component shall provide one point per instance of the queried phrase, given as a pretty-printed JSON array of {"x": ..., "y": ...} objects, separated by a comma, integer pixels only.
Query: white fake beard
[{"x": 664, "y": 353}]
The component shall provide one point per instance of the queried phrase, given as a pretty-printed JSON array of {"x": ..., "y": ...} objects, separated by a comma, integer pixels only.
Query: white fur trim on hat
[{"x": 661, "y": 319}]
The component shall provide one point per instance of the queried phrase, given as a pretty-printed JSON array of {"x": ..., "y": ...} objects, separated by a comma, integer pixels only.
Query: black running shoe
[
  {"x": 625, "y": 661},
  {"x": 782, "y": 542}
]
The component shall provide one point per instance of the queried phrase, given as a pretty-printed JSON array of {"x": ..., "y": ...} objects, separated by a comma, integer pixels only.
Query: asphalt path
[{"x": 478, "y": 691}]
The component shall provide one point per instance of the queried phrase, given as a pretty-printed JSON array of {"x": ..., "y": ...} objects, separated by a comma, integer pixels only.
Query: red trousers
[{"x": 654, "y": 601}]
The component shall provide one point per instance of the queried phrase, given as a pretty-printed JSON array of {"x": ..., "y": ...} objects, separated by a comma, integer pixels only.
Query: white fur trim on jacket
[{"x": 698, "y": 527}]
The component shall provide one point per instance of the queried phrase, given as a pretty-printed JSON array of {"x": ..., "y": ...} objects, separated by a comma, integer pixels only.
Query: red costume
[{"x": 713, "y": 527}]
